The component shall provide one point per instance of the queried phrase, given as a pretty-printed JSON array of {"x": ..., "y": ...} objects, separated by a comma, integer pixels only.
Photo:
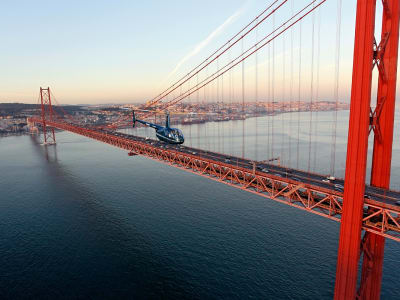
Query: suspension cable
[
  {"x": 299, "y": 97},
  {"x": 311, "y": 91},
  {"x": 282, "y": 110},
  {"x": 230, "y": 43},
  {"x": 256, "y": 96},
  {"x": 336, "y": 85},
  {"x": 218, "y": 142},
  {"x": 291, "y": 89},
  {"x": 269, "y": 103},
  {"x": 223, "y": 109},
  {"x": 240, "y": 58},
  {"x": 198, "y": 105},
  {"x": 231, "y": 95},
  {"x": 243, "y": 113},
  {"x": 273, "y": 89},
  {"x": 317, "y": 89}
]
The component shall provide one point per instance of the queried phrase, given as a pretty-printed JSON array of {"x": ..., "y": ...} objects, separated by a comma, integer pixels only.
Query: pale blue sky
[{"x": 122, "y": 51}]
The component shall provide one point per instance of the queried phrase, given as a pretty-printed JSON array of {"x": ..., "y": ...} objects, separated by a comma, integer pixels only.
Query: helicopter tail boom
[{"x": 134, "y": 121}]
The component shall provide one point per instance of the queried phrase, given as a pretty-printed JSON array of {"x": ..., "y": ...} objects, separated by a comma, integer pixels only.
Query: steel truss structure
[
  {"x": 47, "y": 114},
  {"x": 380, "y": 218},
  {"x": 364, "y": 120}
]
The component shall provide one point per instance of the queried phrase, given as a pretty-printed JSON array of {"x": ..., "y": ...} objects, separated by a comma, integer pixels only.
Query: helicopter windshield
[{"x": 176, "y": 134}]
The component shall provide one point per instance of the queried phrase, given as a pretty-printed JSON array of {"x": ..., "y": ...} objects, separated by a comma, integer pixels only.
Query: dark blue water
[{"x": 84, "y": 220}]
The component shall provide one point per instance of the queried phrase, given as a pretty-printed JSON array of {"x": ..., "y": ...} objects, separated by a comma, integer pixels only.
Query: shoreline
[{"x": 196, "y": 122}]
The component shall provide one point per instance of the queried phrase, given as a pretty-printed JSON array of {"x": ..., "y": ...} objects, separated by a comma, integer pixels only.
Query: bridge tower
[
  {"x": 364, "y": 120},
  {"x": 47, "y": 113}
]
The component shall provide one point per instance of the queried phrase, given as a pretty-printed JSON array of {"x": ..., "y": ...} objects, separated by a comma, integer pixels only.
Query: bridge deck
[{"x": 297, "y": 188}]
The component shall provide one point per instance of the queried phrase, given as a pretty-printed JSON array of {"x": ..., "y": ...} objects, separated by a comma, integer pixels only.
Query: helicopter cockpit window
[{"x": 178, "y": 132}]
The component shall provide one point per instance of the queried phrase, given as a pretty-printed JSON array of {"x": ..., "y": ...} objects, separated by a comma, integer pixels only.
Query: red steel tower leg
[
  {"x": 353, "y": 198},
  {"x": 362, "y": 121},
  {"x": 47, "y": 112},
  {"x": 382, "y": 120}
]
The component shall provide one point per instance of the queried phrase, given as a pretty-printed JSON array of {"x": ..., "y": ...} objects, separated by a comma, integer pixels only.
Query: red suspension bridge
[{"x": 368, "y": 213}]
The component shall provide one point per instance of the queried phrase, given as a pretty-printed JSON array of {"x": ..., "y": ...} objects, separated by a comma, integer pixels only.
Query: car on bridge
[{"x": 339, "y": 187}]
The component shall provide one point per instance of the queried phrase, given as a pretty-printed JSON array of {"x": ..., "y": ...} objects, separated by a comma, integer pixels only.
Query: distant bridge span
[{"x": 296, "y": 188}]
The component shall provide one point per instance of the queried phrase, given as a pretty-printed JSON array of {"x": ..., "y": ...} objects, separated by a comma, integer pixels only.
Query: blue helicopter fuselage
[
  {"x": 170, "y": 135},
  {"x": 164, "y": 133}
]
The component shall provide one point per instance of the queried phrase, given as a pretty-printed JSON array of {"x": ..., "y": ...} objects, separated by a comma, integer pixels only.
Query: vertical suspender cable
[
  {"x": 230, "y": 105},
  {"x": 336, "y": 85},
  {"x": 198, "y": 104},
  {"x": 243, "y": 112},
  {"x": 298, "y": 99},
  {"x": 215, "y": 103},
  {"x": 273, "y": 89},
  {"x": 311, "y": 91},
  {"x": 219, "y": 109},
  {"x": 282, "y": 110},
  {"x": 256, "y": 96},
  {"x": 190, "y": 126},
  {"x": 221, "y": 50},
  {"x": 223, "y": 109},
  {"x": 317, "y": 88},
  {"x": 206, "y": 96},
  {"x": 291, "y": 89},
  {"x": 269, "y": 103},
  {"x": 205, "y": 124},
  {"x": 180, "y": 94}
]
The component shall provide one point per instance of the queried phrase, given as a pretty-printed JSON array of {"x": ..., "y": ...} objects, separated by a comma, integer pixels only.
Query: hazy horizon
[{"x": 91, "y": 52}]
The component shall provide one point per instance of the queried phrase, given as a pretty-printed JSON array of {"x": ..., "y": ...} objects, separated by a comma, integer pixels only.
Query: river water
[{"x": 83, "y": 220}]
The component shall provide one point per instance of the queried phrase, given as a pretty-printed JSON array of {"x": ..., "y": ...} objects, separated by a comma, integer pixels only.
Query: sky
[{"x": 91, "y": 52}]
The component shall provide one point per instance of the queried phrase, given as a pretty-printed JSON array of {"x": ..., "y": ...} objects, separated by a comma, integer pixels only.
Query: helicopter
[{"x": 163, "y": 133}]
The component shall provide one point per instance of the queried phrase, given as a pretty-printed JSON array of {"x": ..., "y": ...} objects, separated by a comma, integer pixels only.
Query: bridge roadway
[
  {"x": 389, "y": 197},
  {"x": 308, "y": 191}
]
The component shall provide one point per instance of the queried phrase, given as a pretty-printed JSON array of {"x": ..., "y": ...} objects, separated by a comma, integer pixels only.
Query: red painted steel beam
[
  {"x": 46, "y": 109},
  {"x": 371, "y": 277},
  {"x": 43, "y": 111},
  {"x": 309, "y": 197},
  {"x": 356, "y": 161}
]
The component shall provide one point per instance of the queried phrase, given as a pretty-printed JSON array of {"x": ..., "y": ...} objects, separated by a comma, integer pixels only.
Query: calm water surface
[{"x": 83, "y": 220}]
